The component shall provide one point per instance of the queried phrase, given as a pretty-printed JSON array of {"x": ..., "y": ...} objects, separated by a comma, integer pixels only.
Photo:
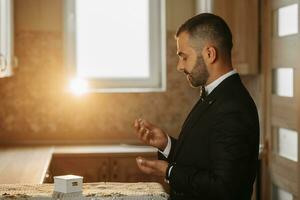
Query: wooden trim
[
  {"x": 276, "y": 4},
  {"x": 266, "y": 85},
  {"x": 283, "y": 173},
  {"x": 284, "y": 112},
  {"x": 283, "y": 52}
]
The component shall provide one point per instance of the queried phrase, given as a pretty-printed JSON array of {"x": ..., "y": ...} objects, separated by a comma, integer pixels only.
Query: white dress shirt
[{"x": 209, "y": 88}]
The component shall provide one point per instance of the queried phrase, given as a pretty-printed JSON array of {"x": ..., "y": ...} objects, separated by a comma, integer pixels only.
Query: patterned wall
[
  {"x": 35, "y": 105},
  {"x": 36, "y": 108}
]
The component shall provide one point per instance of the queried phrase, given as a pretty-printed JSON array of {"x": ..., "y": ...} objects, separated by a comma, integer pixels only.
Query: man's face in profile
[{"x": 191, "y": 62}]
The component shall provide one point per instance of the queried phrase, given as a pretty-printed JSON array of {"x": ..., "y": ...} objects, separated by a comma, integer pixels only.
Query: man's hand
[
  {"x": 150, "y": 134},
  {"x": 152, "y": 167}
]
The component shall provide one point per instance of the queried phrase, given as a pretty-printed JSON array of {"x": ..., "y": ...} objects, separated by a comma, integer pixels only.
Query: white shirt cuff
[
  {"x": 167, "y": 150},
  {"x": 169, "y": 172}
]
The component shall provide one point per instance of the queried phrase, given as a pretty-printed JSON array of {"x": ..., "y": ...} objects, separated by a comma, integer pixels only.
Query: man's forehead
[
  {"x": 183, "y": 37},
  {"x": 182, "y": 43}
]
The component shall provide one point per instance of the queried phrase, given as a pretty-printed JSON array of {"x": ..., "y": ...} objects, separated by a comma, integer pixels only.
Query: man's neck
[
  {"x": 211, "y": 86},
  {"x": 217, "y": 74}
]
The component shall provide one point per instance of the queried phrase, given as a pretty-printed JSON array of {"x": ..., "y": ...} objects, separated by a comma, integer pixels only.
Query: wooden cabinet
[
  {"x": 124, "y": 169},
  {"x": 242, "y": 17},
  {"x": 93, "y": 168},
  {"x": 101, "y": 167}
]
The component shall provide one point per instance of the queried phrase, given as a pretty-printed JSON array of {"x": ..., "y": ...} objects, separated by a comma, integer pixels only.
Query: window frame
[
  {"x": 157, "y": 80},
  {"x": 7, "y": 59}
]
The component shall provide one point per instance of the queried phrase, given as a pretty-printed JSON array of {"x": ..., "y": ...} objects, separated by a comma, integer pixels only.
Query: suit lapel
[
  {"x": 201, "y": 107},
  {"x": 199, "y": 102},
  {"x": 196, "y": 113}
]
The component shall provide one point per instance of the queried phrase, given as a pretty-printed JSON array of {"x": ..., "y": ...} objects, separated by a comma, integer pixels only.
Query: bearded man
[{"x": 216, "y": 154}]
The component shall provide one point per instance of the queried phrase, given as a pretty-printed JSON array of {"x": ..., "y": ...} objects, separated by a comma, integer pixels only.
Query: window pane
[
  {"x": 288, "y": 144},
  {"x": 283, "y": 82},
  {"x": 112, "y": 38},
  {"x": 288, "y": 20},
  {"x": 280, "y": 194}
]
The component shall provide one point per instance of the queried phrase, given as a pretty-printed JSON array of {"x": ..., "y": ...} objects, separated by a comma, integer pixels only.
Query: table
[{"x": 91, "y": 191}]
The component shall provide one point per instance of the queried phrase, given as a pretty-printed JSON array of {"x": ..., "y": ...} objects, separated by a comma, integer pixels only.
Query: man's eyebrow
[{"x": 180, "y": 53}]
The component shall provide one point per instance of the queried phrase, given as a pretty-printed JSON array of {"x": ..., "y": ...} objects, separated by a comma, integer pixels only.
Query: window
[
  {"x": 288, "y": 20},
  {"x": 281, "y": 194},
  {"x": 283, "y": 82},
  {"x": 116, "y": 45},
  {"x": 288, "y": 144},
  {"x": 7, "y": 60}
]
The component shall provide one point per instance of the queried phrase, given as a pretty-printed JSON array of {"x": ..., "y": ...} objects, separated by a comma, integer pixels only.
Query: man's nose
[{"x": 180, "y": 67}]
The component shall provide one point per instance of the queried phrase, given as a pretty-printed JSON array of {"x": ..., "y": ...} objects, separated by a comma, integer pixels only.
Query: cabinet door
[
  {"x": 125, "y": 169},
  {"x": 242, "y": 16},
  {"x": 93, "y": 168}
]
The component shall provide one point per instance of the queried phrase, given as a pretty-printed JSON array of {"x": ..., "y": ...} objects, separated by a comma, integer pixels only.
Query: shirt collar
[{"x": 210, "y": 87}]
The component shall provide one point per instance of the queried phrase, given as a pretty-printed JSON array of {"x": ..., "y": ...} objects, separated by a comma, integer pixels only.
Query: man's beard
[{"x": 199, "y": 74}]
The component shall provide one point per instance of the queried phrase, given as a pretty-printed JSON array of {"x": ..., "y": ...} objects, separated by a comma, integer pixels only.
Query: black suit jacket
[{"x": 216, "y": 154}]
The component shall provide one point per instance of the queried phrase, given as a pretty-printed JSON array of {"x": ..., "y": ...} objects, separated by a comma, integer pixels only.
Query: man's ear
[{"x": 210, "y": 53}]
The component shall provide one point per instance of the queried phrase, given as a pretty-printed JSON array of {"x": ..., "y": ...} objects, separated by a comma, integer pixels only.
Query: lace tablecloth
[{"x": 91, "y": 191}]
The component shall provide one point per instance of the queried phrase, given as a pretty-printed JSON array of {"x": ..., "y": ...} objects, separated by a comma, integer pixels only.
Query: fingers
[
  {"x": 145, "y": 162},
  {"x": 145, "y": 135},
  {"x": 146, "y": 166},
  {"x": 147, "y": 124},
  {"x": 153, "y": 167},
  {"x": 137, "y": 126},
  {"x": 137, "y": 123},
  {"x": 142, "y": 132}
]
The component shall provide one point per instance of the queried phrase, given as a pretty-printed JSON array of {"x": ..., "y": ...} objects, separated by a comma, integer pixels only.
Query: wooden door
[{"x": 281, "y": 70}]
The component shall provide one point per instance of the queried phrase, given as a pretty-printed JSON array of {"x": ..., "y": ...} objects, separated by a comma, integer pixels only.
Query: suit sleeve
[
  {"x": 231, "y": 156},
  {"x": 173, "y": 146}
]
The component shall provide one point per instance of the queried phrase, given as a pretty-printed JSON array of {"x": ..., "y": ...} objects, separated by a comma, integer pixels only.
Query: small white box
[{"x": 68, "y": 183}]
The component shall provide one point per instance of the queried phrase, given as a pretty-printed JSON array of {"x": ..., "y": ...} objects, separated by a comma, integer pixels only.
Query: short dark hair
[{"x": 211, "y": 27}]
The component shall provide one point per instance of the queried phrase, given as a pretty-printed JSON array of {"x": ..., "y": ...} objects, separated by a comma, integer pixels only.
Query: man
[{"x": 216, "y": 154}]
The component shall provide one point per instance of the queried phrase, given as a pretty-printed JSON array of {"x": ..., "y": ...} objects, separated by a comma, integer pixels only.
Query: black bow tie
[{"x": 203, "y": 93}]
